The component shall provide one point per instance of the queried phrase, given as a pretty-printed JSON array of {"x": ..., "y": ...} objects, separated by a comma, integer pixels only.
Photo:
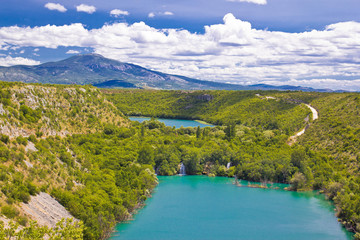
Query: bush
[
  {"x": 22, "y": 220},
  {"x": 32, "y": 139},
  {"x": 9, "y": 211},
  {"x": 4, "y": 138},
  {"x": 30, "y": 115},
  {"x": 21, "y": 140},
  {"x": 4, "y": 153}
]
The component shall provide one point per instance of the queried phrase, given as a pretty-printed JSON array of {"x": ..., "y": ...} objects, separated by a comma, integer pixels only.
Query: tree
[
  {"x": 298, "y": 181},
  {"x": 298, "y": 156},
  {"x": 198, "y": 132},
  {"x": 146, "y": 155},
  {"x": 230, "y": 131}
]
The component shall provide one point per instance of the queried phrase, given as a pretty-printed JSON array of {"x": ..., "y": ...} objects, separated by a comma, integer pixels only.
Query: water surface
[
  {"x": 174, "y": 122},
  {"x": 200, "y": 207}
]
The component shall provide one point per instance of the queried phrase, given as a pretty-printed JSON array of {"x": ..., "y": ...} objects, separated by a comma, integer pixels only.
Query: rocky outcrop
[
  {"x": 45, "y": 210},
  {"x": 205, "y": 97},
  {"x": 13, "y": 131},
  {"x": 30, "y": 147}
]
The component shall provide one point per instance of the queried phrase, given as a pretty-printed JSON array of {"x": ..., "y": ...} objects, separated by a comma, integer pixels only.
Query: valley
[{"x": 78, "y": 145}]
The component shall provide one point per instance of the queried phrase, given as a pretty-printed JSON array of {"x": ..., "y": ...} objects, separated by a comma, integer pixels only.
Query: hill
[
  {"x": 47, "y": 134},
  {"x": 326, "y": 157},
  {"x": 107, "y": 73},
  {"x": 217, "y": 107},
  {"x": 75, "y": 144}
]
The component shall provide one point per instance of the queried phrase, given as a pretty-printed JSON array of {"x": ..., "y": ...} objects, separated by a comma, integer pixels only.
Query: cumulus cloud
[
  {"x": 232, "y": 51},
  {"x": 151, "y": 15},
  {"x": 168, "y": 13},
  {"x": 10, "y": 61},
  {"x": 86, "y": 8},
  {"x": 118, "y": 13},
  {"x": 56, "y": 7},
  {"x": 72, "y": 52},
  {"x": 260, "y": 2}
]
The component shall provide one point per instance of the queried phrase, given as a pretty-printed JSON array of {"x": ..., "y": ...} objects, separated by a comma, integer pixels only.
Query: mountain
[{"x": 108, "y": 73}]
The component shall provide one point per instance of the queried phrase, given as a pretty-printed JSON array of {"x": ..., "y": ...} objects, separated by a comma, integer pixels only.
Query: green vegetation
[
  {"x": 326, "y": 158},
  {"x": 217, "y": 107},
  {"x": 102, "y": 170},
  {"x": 65, "y": 229}
]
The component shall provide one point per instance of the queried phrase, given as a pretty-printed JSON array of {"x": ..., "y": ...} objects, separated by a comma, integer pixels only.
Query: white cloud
[
  {"x": 232, "y": 51},
  {"x": 36, "y": 50},
  {"x": 118, "y": 13},
  {"x": 56, "y": 7},
  {"x": 260, "y": 2},
  {"x": 167, "y": 13},
  {"x": 72, "y": 52},
  {"x": 327, "y": 83},
  {"x": 86, "y": 8},
  {"x": 10, "y": 61}
]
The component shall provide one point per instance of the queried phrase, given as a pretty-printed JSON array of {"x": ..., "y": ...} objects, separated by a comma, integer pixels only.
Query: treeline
[{"x": 248, "y": 108}]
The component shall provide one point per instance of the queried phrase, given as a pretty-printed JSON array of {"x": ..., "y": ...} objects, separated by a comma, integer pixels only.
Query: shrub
[
  {"x": 4, "y": 138},
  {"x": 9, "y": 211},
  {"x": 21, "y": 140}
]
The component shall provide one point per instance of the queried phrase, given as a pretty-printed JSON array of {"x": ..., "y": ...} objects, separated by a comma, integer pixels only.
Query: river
[
  {"x": 201, "y": 207},
  {"x": 174, "y": 122}
]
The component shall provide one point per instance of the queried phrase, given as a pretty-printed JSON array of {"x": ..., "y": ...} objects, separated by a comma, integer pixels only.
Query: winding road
[{"x": 315, "y": 116}]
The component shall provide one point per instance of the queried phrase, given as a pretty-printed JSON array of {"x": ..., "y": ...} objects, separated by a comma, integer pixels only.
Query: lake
[
  {"x": 201, "y": 207},
  {"x": 174, "y": 122}
]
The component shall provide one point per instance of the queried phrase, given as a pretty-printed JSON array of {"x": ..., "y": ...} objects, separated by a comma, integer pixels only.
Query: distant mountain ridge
[{"x": 102, "y": 72}]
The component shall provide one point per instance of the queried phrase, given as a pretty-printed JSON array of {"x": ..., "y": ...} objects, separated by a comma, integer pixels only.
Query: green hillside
[
  {"x": 76, "y": 144},
  {"x": 217, "y": 107},
  {"x": 325, "y": 158},
  {"x": 39, "y": 152}
]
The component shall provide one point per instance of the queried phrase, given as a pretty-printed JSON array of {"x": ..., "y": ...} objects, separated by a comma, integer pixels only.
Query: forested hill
[
  {"x": 250, "y": 108},
  {"x": 325, "y": 158},
  {"x": 50, "y": 110},
  {"x": 53, "y": 139},
  {"x": 75, "y": 143}
]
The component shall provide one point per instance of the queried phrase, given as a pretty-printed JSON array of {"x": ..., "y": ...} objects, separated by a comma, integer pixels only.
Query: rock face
[
  {"x": 45, "y": 210},
  {"x": 205, "y": 97}
]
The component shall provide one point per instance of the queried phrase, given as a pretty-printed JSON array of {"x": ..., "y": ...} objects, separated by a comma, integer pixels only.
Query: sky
[{"x": 312, "y": 43}]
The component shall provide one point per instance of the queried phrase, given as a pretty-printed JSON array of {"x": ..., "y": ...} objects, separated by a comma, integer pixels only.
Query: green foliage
[
  {"x": 298, "y": 181},
  {"x": 21, "y": 140},
  {"x": 30, "y": 115},
  {"x": 4, "y": 138},
  {"x": 4, "y": 153},
  {"x": 217, "y": 107},
  {"x": 65, "y": 229},
  {"x": 103, "y": 176},
  {"x": 9, "y": 211}
]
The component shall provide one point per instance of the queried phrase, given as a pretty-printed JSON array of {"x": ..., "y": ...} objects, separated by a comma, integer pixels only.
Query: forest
[{"x": 104, "y": 170}]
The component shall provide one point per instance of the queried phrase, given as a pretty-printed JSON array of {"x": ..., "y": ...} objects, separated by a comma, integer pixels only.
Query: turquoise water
[
  {"x": 173, "y": 122},
  {"x": 200, "y": 207}
]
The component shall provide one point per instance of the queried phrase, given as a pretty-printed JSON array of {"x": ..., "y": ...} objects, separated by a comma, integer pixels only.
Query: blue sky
[{"x": 298, "y": 42}]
